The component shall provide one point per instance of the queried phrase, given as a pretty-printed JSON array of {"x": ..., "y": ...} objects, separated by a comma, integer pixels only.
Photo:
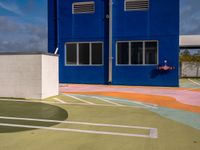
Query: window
[
  {"x": 123, "y": 52},
  {"x": 137, "y": 53},
  {"x": 132, "y": 5},
  {"x": 83, "y": 7},
  {"x": 151, "y": 52},
  {"x": 71, "y": 54},
  {"x": 83, "y": 53},
  {"x": 97, "y": 53}
]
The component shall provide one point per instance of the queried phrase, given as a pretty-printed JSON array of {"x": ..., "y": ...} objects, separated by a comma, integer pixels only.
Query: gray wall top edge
[{"x": 27, "y": 53}]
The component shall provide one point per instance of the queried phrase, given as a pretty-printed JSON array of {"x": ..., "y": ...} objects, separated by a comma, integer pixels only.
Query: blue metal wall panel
[
  {"x": 162, "y": 19},
  {"x": 83, "y": 28},
  {"x": 160, "y": 22},
  {"x": 149, "y": 74},
  {"x": 52, "y": 26}
]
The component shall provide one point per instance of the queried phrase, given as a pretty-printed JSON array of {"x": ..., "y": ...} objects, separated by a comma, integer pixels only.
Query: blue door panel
[
  {"x": 149, "y": 74},
  {"x": 83, "y": 28},
  {"x": 160, "y": 23}
]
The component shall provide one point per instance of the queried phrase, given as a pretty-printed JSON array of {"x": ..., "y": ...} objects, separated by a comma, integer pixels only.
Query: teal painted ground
[{"x": 185, "y": 117}]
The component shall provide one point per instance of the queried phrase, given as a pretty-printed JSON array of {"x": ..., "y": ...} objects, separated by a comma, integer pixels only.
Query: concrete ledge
[
  {"x": 27, "y": 53},
  {"x": 28, "y": 75}
]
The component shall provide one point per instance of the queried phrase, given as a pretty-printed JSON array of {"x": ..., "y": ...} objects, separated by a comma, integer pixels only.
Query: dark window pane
[
  {"x": 97, "y": 53},
  {"x": 71, "y": 54},
  {"x": 122, "y": 53},
  {"x": 151, "y": 52},
  {"x": 84, "y": 53},
  {"x": 136, "y": 53}
]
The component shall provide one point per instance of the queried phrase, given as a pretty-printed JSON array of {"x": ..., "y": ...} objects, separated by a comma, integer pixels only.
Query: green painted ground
[
  {"x": 171, "y": 134},
  {"x": 29, "y": 110}
]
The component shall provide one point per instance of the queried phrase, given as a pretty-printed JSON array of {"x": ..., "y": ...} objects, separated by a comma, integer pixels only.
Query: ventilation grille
[
  {"x": 83, "y": 7},
  {"x": 131, "y": 5}
]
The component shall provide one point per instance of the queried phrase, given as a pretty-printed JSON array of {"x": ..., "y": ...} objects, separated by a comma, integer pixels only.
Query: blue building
[{"x": 115, "y": 41}]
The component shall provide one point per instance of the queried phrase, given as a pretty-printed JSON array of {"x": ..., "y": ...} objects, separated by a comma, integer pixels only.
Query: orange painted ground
[
  {"x": 142, "y": 87},
  {"x": 153, "y": 99},
  {"x": 196, "y": 90}
]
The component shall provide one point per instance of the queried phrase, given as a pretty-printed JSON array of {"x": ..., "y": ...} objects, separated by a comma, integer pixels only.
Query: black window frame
[
  {"x": 144, "y": 53},
  {"x": 90, "y": 54}
]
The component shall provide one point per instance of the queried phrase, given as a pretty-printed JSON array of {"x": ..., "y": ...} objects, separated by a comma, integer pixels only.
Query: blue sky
[{"x": 23, "y": 23}]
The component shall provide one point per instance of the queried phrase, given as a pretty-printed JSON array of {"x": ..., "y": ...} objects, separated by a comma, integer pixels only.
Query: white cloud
[
  {"x": 190, "y": 17},
  {"x": 11, "y": 7},
  {"x": 22, "y": 37}
]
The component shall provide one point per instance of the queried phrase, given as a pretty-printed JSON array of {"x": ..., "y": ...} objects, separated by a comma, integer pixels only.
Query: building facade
[{"x": 115, "y": 41}]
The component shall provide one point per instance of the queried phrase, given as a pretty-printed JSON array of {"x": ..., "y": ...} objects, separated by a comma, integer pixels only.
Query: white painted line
[
  {"x": 103, "y": 105},
  {"x": 49, "y": 102},
  {"x": 194, "y": 82},
  {"x": 59, "y": 100},
  {"x": 153, "y": 133},
  {"x": 102, "y": 99},
  {"x": 139, "y": 103},
  {"x": 76, "y": 130},
  {"x": 23, "y": 101},
  {"x": 74, "y": 97},
  {"x": 85, "y": 102},
  {"x": 146, "y": 105},
  {"x": 154, "y": 106},
  {"x": 75, "y": 122}
]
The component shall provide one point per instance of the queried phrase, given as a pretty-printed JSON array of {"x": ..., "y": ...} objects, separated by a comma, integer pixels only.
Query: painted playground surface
[{"x": 96, "y": 117}]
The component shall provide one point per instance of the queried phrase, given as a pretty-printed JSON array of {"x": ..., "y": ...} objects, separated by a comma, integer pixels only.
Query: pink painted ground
[{"x": 184, "y": 96}]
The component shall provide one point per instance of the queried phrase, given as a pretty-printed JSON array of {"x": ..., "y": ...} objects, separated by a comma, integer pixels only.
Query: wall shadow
[
  {"x": 154, "y": 73},
  {"x": 29, "y": 110}
]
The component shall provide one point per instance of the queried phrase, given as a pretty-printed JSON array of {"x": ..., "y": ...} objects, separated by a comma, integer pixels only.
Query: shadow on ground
[{"x": 29, "y": 110}]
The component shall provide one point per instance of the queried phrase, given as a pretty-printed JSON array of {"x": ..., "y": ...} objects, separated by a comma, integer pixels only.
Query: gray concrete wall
[
  {"x": 190, "y": 69},
  {"x": 28, "y": 76}
]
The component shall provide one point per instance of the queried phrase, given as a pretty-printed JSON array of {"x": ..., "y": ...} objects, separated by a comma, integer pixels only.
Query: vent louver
[
  {"x": 131, "y": 5},
  {"x": 83, "y": 7}
]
